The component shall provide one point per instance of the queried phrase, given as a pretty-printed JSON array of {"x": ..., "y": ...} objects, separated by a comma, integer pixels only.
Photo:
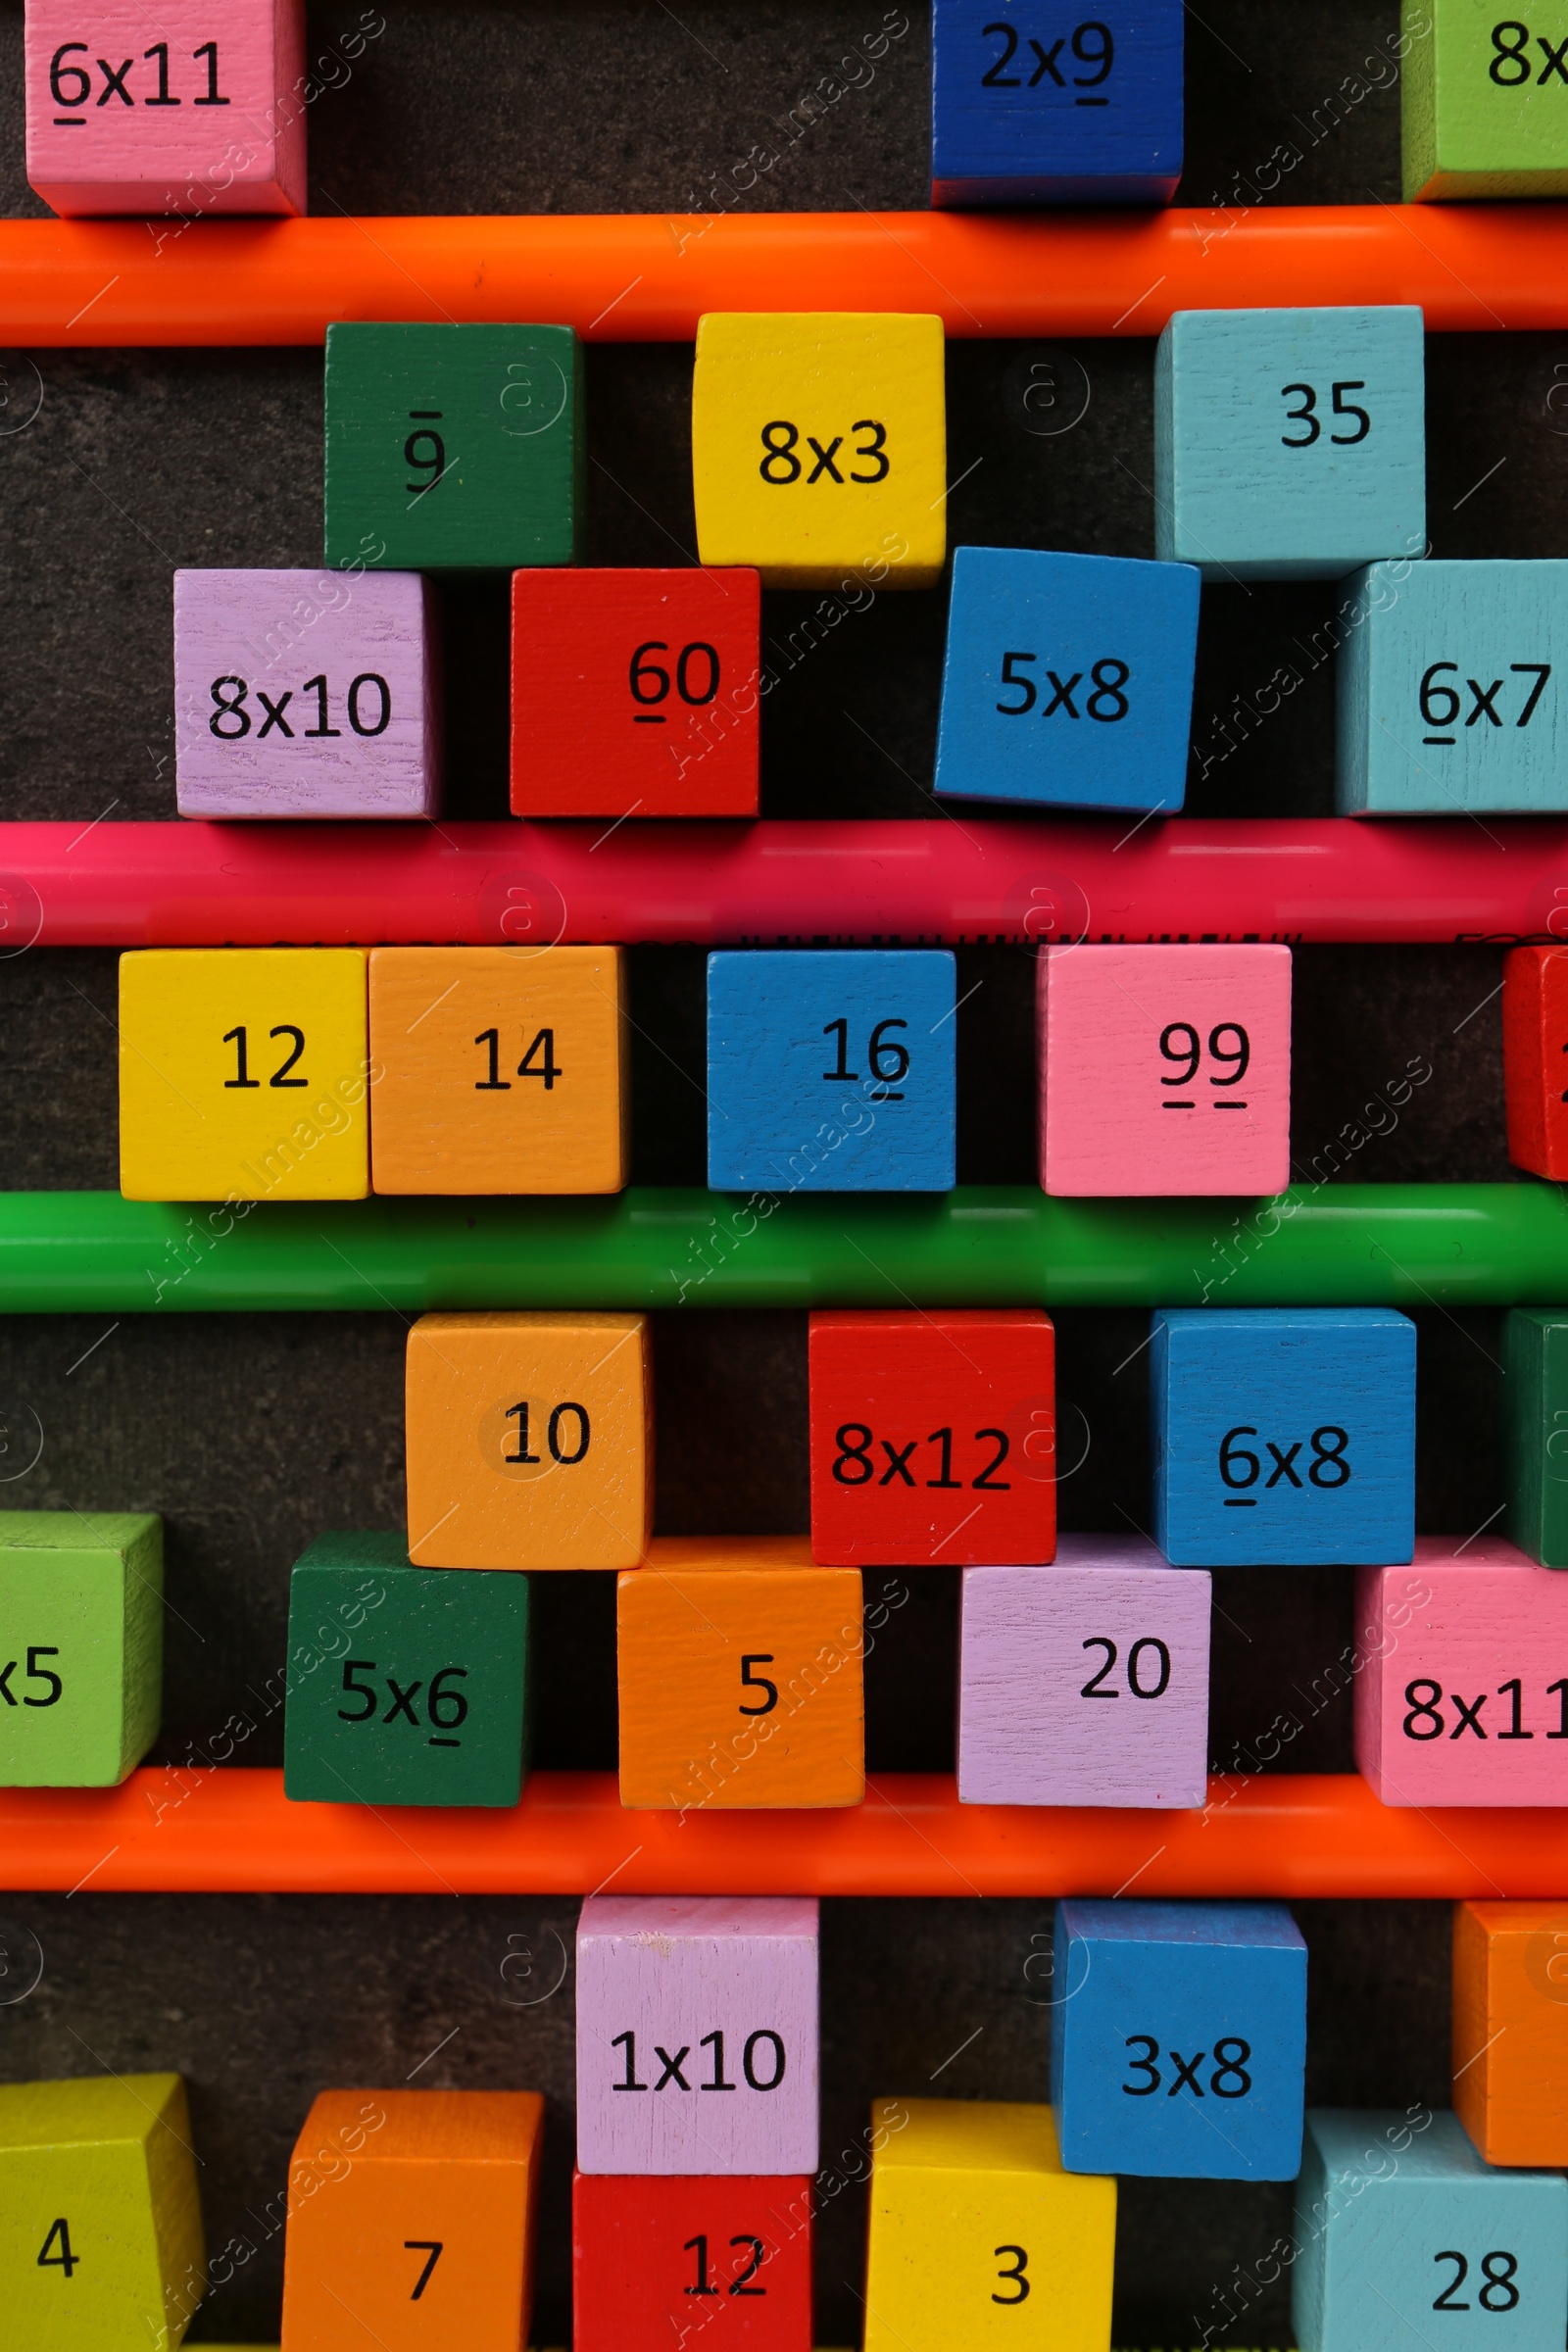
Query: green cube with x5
[
  {"x": 406, "y": 1686},
  {"x": 81, "y": 1646}
]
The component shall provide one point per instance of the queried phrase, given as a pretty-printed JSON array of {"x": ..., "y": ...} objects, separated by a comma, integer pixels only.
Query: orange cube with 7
[
  {"x": 501, "y": 1070},
  {"x": 933, "y": 1437},
  {"x": 635, "y": 693},
  {"x": 740, "y": 1668},
  {"x": 1510, "y": 2029},
  {"x": 529, "y": 1440},
  {"x": 1535, "y": 1058},
  {"x": 423, "y": 2238}
]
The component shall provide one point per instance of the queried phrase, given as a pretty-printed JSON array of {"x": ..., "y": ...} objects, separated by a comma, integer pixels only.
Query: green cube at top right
[
  {"x": 1484, "y": 110},
  {"x": 1535, "y": 1432},
  {"x": 81, "y": 1646},
  {"x": 406, "y": 1686}
]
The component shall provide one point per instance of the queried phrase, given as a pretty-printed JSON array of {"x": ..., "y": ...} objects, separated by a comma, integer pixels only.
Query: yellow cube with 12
[{"x": 819, "y": 446}]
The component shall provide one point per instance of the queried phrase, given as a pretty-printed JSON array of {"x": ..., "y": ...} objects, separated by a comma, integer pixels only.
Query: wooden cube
[
  {"x": 1510, "y": 2029},
  {"x": 305, "y": 693},
  {"x": 1535, "y": 1432},
  {"x": 1178, "y": 2039},
  {"x": 1290, "y": 444},
  {"x": 1420, "y": 736},
  {"x": 423, "y": 2240},
  {"x": 81, "y": 1646},
  {"x": 635, "y": 693},
  {"x": 681, "y": 1997},
  {"x": 1087, "y": 116},
  {"x": 1284, "y": 1434},
  {"x": 739, "y": 1663},
  {"x": 933, "y": 1435},
  {"x": 453, "y": 448},
  {"x": 1084, "y": 1683},
  {"x": 100, "y": 2224},
  {"x": 882, "y": 1114},
  {"x": 1483, "y": 104},
  {"x": 242, "y": 1075},
  {"x": 1164, "y": 1069},
  {"x": 1396, "y": 2217},
  {"x": 406, "y": 1686},
  {"x": 167, "y": 109},
  {"x": 729, "y": 2257},
  {"x": 529, "y": 1440},
  {"x": 1534, "y": 1058},
  {"x": 1454, "y": 1704},
  {"x": 979, "y": 2239},
  {"x": 1067, "y": 681},
  {"x": 500, "y": 1069},
  {"x": 819, "y": 446}
]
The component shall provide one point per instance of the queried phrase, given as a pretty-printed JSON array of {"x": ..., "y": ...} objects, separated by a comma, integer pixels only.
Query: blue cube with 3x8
[
  {"x": 1034, "y": 102},
  {"x": 1284, "y": 1435},
  {"x": 832, "y": 1071},
  {"x": 1178, "y": 2039},
  {"x": 1068, "y": 680}
]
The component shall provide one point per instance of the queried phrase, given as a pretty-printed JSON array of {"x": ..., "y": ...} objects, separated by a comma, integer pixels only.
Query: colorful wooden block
[
  {"x": 1084, "y": 1683},
  {"x": 933, "y": 1435},
  {"x": 1418, "y": 734},
  {"x": 979, "y": 2239},
  {"x": 406, "y": 1686},
  {"x": 880, "y": 1116},
  {"x": 1164, "y": 1069},
  {"x": 177, "y": 108},
  {"x": 1178, "y": 2042},
  {"x": 1535, "y": 1432},
  {"x": 635, "y": 693},
  {"x": 697, "y": 2033},
  {"x": 1068, "y": 680},
  {"x": 1038, "y": 108},
  {"x": 1510, "y": 2029},
  {"x": 81, "y": 1646},
  {"x": 100, "y": 2224},
  {"x": 1454, "y": 1704},
  {"x": 500, "y": 1069},
  {"x": 243, "y": 1074},
  {"x": 1396, "y": 2217},
  {"x": 453, "y": 448},
  {"x": 819, "y": 446},
  {"x": 305, "y": 693},
  {"x": 1483, "y": 104},
  {"x": 725, "y": 2258},
  {"x": 1534, "y": 1058},
  {"x": 739, "y": 1663},
  {"x": 1290, "y": 444},
  {"x": 529, "y": 1440},
  {"x": 1283, "y": 1435},
  {"x": 423, "y": 2240}
]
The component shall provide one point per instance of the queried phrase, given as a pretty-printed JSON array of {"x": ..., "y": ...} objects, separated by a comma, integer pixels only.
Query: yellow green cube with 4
[
  {"x": 1484, "y": 105},
  {"x": 81, "y": 1646}
]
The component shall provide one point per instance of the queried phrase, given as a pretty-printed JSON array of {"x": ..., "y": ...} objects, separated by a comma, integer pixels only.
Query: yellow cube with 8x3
[
  {"x": 243, "y": 1074},
  {"x": 819, "y": 446}
]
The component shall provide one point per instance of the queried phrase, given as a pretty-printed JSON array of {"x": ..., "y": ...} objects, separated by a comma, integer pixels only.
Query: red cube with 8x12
[
  {"x": 933, "y": 1437},
  {"x": 634, "y": 693}
]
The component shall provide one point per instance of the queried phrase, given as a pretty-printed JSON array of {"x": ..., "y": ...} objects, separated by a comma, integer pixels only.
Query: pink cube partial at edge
[
  {"x": 1462, "y": 1677},
  {"x": 165, "y": 107},
  {"x": 1085, "y": 1682},
  {"x": 697, "y": 2033},
  {"x": 305, "y": 693},
  {"x": 1164, "y": 1069}
]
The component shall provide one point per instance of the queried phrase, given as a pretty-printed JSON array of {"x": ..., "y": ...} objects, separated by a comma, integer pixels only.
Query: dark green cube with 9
[
  {"x": 1535, "y": 1432},
  {"x": 453, "y": 448},
  {"x": 406, "y": 1686}
]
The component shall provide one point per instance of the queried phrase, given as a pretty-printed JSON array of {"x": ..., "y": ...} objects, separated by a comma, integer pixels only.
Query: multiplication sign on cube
[
  {"x": 1284, "y": 1434},
  {"x": 1483, "y": 101},
  {"x": 1164, "y": 1069},
  {"x": 1068, "y": 680},
  {"x": 1290, "y": 444},
  {"x": 832, "y": 1070}
]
